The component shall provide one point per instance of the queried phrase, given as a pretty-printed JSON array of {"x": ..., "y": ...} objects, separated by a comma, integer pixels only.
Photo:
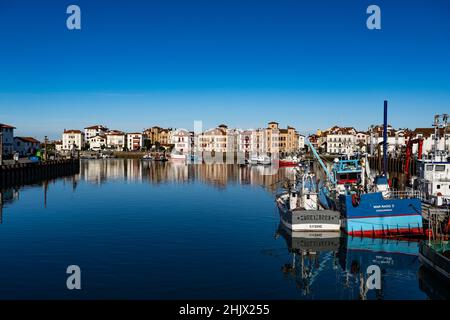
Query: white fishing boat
[
  {"x": 264, "y": 160},
  {"x": 253, "y": 159},
  {"x": 178, "y": 156},
  {"x": 433, "y": 171},
  {"x": 148, "y": 157},
  {"x": 300, "y": 209}
]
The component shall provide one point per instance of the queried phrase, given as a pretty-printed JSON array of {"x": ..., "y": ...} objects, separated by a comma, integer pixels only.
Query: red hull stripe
[{"x": 384, "y": 233}]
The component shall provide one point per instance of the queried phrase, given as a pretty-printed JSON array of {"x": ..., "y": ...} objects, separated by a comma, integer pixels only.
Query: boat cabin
[
  {"x": 433, "y": 181},
  {"x": 347, "y": 171}
]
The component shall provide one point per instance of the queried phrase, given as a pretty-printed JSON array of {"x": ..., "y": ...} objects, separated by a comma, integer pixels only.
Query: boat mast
[
  {"x": 385, "y": 139},
  {"x": 436, "y": 135},
  {"x": 445, "y": 119}
]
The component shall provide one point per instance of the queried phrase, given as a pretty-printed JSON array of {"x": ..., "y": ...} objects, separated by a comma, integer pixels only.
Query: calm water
[{"x": 172, "y": 231}]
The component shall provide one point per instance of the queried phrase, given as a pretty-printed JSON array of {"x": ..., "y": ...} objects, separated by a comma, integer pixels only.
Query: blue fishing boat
[{"x": 370, "y": 208}]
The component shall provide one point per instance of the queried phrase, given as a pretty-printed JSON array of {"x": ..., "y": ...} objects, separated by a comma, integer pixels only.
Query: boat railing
[{"x": 404, "y": 194}]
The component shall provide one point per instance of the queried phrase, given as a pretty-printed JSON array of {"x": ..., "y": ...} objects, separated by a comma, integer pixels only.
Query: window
[
  {"x": 429, "y": 167},
  {"x": 440, "y": 167},
  {"x": 438, "y": 186}
]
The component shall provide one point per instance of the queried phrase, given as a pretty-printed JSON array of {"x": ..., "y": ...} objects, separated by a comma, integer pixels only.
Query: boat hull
[
  {"x": 287, "y": 163},
  {"x": 374, "y": 216},
  {"x": 310, "y": 220},
  {"x": 434, "y": 261}
]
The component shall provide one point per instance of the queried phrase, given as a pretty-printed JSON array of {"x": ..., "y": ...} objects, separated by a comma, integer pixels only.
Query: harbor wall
[{"x": 27, "y": 173}]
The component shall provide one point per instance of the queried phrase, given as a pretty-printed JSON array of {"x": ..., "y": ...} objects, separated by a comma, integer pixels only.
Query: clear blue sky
[{"x": 135, "y": 64}]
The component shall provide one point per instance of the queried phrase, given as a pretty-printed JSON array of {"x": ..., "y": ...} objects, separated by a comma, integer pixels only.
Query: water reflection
[
  {"x": 134, "y": 170},
  {"x": 432, "y": 285},
  {"x": 310, "y": 254},
  {"x": 113, "y": 237},
  {"x": 317, "y": 258},
  {"x": 219, "y": 175}
]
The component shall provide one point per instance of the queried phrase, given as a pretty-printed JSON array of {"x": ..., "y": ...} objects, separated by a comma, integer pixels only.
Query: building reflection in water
[
  {"x": 7, "y": 196},
  {"x": 219, "y": 175}
]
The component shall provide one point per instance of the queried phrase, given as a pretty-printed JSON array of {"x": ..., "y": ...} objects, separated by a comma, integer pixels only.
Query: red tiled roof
[
  {"x": 28, "y": 139},
  {"x": 72, "y": 131},
  {"x": 99, "y": 126},
  {"x": 6, "y": 126}
]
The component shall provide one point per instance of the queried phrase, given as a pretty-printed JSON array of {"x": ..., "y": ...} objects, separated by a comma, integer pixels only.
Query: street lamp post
[{"x": 45, "y": 148}]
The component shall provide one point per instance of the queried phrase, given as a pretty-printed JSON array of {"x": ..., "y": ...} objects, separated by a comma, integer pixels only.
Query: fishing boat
[
  {"x": 370, "y": 208},
  {"x": 161, "y": 158},
  {"x": 254, "y": 159},
  {"x": 148, "y": 157},
  {"x": 435, "y": 252},
  {"x": 300, "y": 209},
  {"x": 433, "y": 171},
  {"x": 178, "y": 156},
  {"x": 432, "y": 284},
  {"x": 264, "y": 160},
  {"x": 288, "y": 162},
  {"x": 435, "y": 255}
]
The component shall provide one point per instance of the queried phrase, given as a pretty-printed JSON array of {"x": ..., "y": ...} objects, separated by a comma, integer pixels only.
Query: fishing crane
[{"x": 409, "y": 147}]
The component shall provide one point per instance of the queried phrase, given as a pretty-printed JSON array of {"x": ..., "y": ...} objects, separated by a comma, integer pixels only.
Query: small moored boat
[{"x": 288, "y": 162}]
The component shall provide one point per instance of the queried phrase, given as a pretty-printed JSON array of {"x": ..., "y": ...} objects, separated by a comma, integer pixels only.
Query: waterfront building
[
  {"x": 341, "y": 143},
  {"x": 182, "y": 140},
  {"x": 301, "y": 142},
  {"x": 26, "y": 146},
  {"x": 159, "y": 136},
  {"x": 7, "y": 139},
  {"x": 93, "y": 131},
  {"x": 72, "y": 139},
  {"x": 281, "y": 140},
  {"x": 213, "y": 140},
  {"x": 395, "y": 140},
  {"x": 58, "y": 145},
  {"x": 116, "y": 140},
  {"x": 362, "y": 137},
  {"x": 135, "y": 141},
  {"x": 97, "y": 143},
  {"x": 259, "y": 144},
  {"x": 245, "y": 141}
]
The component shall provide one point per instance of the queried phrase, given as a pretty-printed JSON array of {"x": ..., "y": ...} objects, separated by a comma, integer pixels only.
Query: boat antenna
[
  {"x": 445, "y": 119},
  {"x": 436, "y": 125},
  {"x": 385, "y": 139}
]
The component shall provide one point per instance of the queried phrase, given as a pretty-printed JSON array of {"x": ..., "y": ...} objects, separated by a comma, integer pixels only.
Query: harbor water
[{"x": 146, "y": 230}]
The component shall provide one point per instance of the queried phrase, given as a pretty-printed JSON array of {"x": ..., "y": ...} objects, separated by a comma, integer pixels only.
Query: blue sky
[{"x": 135, "y": 64}]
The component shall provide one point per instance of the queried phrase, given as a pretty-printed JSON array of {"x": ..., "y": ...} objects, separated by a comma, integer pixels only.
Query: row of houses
[
  {"x": 24, "y": 146},
  {"x": 220, "y": 139},
  {"x": 346, "y": 140}
]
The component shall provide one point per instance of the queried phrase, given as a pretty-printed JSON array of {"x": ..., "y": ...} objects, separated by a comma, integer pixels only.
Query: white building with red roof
[
  {"x": 72, "y": 139},
  {"x": 7, "y": 139},
  {"x": 92, "y": 131}
]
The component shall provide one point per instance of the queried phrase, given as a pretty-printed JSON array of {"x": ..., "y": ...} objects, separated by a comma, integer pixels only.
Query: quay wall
[{"x": 26, "y": 173}]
